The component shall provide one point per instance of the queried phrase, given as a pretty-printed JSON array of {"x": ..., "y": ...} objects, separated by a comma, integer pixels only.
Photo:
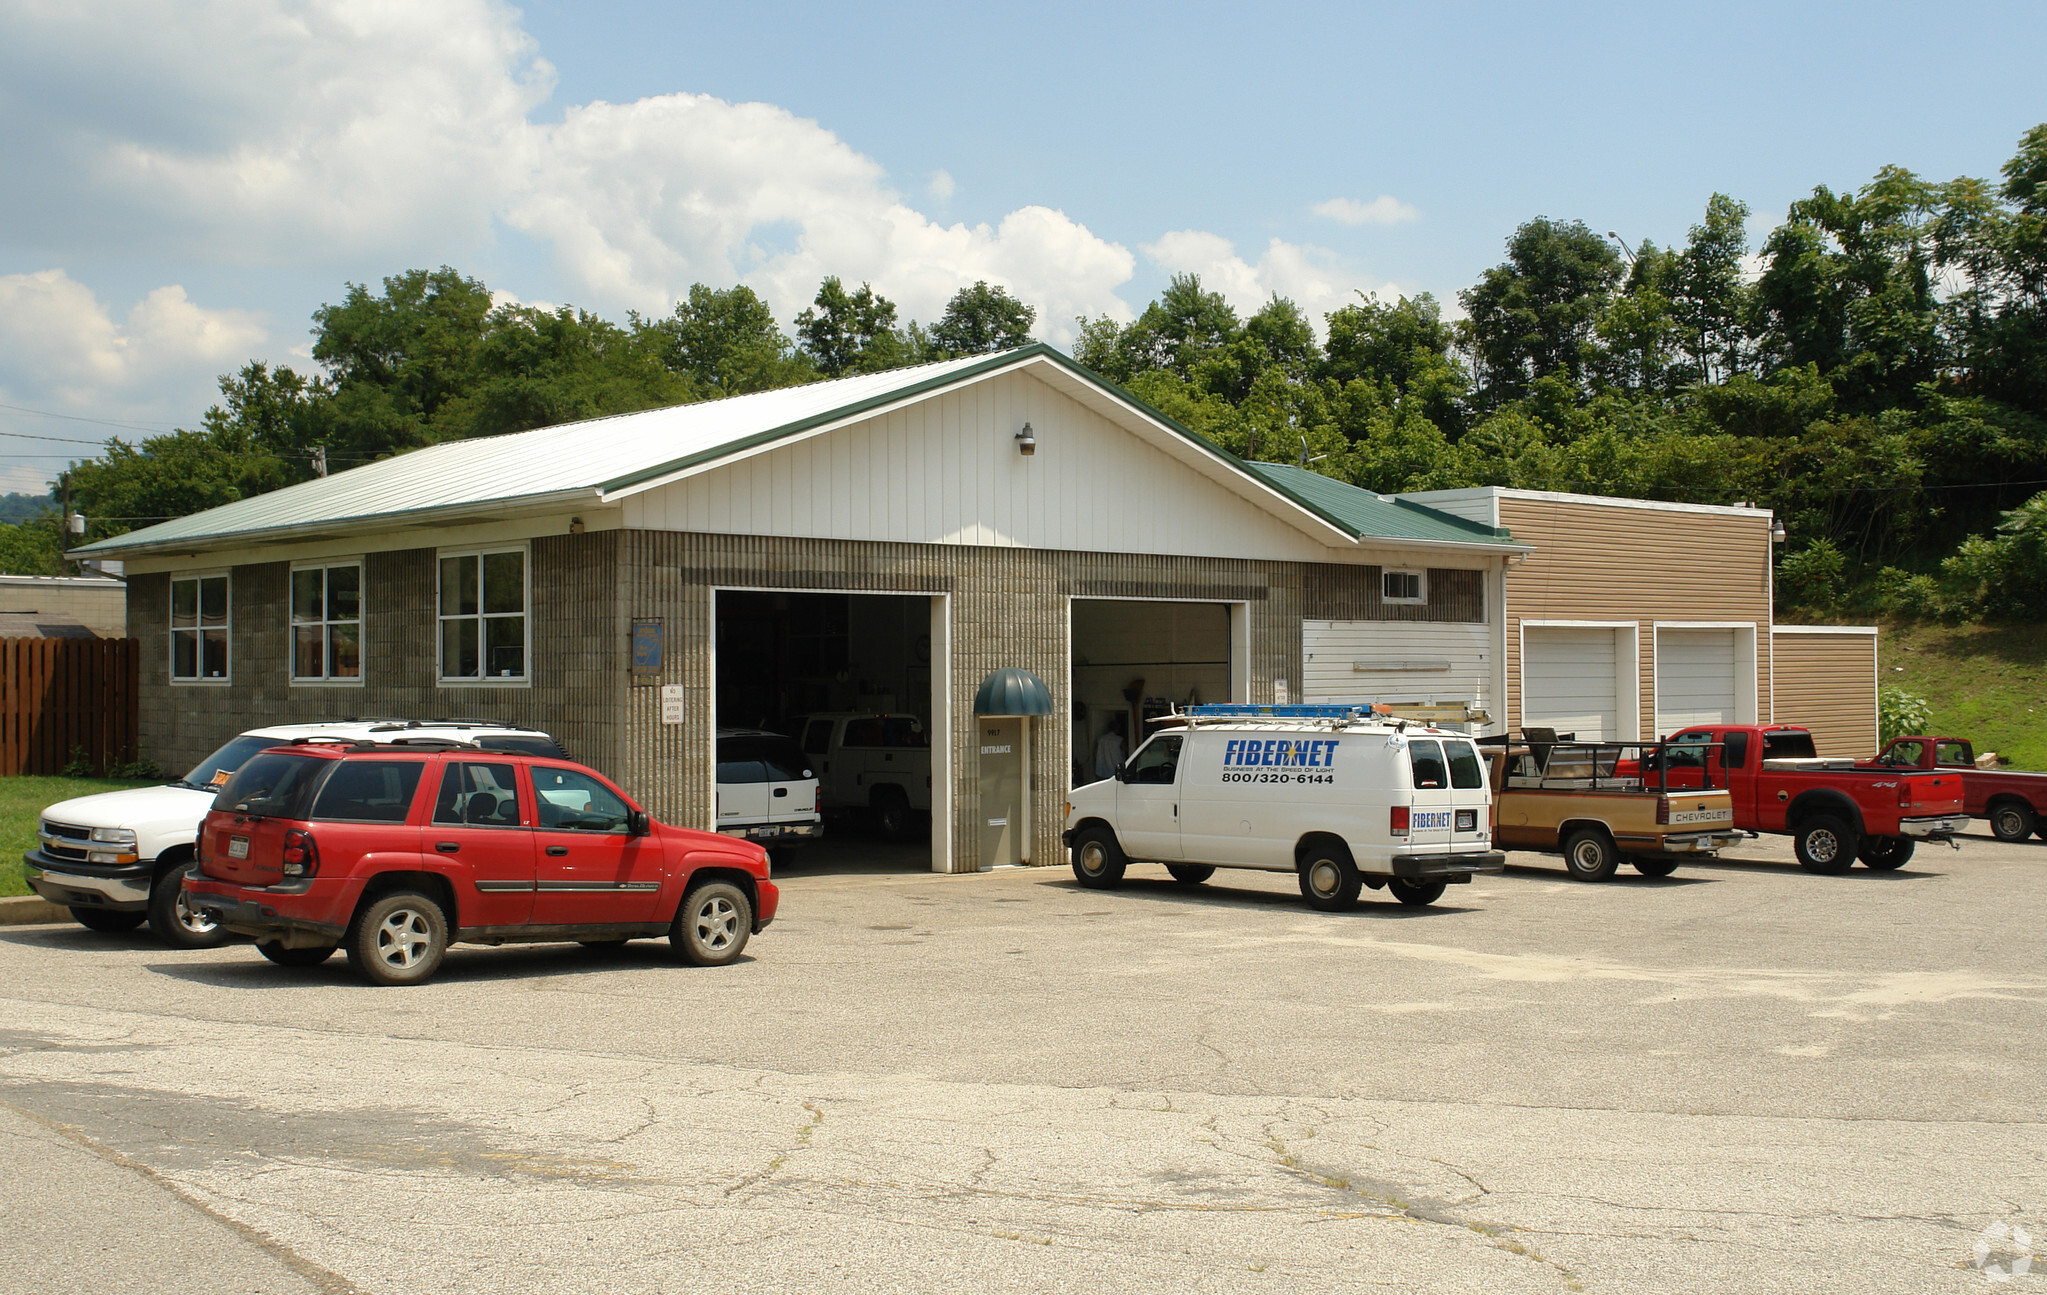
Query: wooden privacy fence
[{"x": 59, "y": 697}]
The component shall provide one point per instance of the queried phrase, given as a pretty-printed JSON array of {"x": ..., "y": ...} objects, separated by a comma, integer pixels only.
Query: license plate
[
  {"x": 1679, "y": 817},
  {"x": 238, "y": 847}
]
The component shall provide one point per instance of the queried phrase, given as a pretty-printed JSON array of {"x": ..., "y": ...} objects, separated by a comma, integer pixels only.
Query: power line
[{"x": 77, "y": 418}]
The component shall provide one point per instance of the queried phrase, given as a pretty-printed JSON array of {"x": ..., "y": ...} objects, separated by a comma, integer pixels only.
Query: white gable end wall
[{"x": 946, "y": 470}]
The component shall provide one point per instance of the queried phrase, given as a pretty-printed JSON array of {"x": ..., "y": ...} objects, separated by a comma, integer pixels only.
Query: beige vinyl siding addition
[
  {"x": 1611, "y": 562},
  {"x": 1826, "y": 681}
]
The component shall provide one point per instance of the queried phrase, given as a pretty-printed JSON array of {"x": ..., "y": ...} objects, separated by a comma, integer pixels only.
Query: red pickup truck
[
  {"x": 1833, "y": 811},
  {"x": 2015, "y": 803}
]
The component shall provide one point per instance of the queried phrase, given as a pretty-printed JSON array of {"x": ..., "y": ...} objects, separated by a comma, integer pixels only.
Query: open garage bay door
[
  {"x": 1135, "y": 660},
  {"x": 1696, "y": 679},
  {"x": 1570, "y": 681}
]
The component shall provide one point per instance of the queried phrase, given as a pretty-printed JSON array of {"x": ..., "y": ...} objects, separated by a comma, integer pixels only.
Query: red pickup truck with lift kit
[
  {"x": 2014, "y": 802},
  {"x": 1833, "y": 811},
  {"x": 391, "y": 851}
]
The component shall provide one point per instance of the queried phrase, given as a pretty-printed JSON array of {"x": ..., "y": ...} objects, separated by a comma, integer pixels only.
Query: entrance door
[{"x": 1002, "y": 823}]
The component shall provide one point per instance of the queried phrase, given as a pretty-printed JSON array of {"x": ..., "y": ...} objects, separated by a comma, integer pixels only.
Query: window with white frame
[
  {"x": 483, "y": 615},
  {"x": 326, "y": 622},
  {"x": 1403, "y": 585},
  {"x": 199, "y": 628}
]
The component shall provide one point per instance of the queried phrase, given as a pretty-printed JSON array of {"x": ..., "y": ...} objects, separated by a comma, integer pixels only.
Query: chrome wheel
[
  {"x": 194, "y": 921},
  {"x": 1823, "y": 846},
  {"x": 404, "y": 939},
  {"x": 1094, "y": 860},
  {"x": 717, "y": 924}
]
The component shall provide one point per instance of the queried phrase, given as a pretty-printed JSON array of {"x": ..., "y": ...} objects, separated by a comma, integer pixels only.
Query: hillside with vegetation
[{"x": 1875, "y": 371}]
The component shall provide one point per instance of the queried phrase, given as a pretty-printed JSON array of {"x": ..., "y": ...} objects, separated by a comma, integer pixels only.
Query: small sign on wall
[
  {"x": 1280, "y": 693},
  {"x": 671, "y": 703},
  {"x": 647, "y": 647}
]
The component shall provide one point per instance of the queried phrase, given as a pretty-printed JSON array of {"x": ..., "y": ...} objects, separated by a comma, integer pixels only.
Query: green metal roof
[{"x": 1366, "y": 514}]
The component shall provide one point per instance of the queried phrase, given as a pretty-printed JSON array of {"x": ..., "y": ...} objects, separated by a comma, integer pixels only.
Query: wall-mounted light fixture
[
  {"x": 1026, "y": 444},
  {"x": 575, "y": 526},
  {"x": 1777, "y": 535}
]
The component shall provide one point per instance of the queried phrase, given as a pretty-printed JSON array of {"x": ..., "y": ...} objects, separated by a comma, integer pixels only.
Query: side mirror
[
  {"x": 1122, "y": 773},
  {"x": 638, "y": 823}
]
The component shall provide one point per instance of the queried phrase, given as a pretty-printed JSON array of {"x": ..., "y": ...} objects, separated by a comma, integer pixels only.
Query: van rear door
[
  {"x": 1432, "y": 809},
  {"x": 1470, "y": 798}
]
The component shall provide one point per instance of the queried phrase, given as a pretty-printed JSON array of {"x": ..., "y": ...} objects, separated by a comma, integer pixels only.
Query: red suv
[{"x": 392, "y": 851}]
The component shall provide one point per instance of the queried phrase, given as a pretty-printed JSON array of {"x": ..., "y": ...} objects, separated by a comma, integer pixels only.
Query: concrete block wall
[
  {"x": 578, "y": 646},
  {"x": 1008, "y": 608}
]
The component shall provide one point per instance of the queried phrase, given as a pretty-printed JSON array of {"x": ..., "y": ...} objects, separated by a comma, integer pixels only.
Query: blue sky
[{"x": 189, "y": 182}]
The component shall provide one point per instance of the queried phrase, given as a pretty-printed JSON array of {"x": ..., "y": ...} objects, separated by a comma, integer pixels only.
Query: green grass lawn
[
  {"x": 21, "y": 806},
  {"x": 1987, "y": 684}
]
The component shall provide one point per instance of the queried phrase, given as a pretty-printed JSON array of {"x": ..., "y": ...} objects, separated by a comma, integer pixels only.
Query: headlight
[{"x": 114, "y": 835}]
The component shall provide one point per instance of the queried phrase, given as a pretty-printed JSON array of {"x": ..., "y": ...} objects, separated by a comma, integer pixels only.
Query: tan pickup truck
[{"x": 1564, "y": 798}]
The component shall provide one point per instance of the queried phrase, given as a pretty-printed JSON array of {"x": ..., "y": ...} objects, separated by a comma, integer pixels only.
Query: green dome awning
[{"x": 1010, "y": 691}]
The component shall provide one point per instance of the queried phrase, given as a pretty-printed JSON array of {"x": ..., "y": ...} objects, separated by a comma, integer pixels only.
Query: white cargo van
[{"x": 1338, "y": 797}]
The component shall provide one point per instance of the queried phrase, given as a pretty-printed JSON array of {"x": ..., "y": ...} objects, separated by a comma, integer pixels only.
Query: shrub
[
  {"x": 1813, "y": 576},
  {"x": 1899, "y": 713},
  {"x": 1900, "y": 593}
]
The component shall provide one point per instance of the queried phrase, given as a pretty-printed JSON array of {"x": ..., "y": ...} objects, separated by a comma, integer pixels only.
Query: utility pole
[
  {"x": 319, "y": 460},
  {"x": 64, "y": 521}
]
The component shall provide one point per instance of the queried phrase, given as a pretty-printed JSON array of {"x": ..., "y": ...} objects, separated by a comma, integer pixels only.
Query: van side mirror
[
  {"x": 638, "y": 823},
  {"x": 1122, "y": 773}
]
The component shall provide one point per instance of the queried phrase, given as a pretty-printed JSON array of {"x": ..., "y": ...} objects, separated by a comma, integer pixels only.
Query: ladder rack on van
[{"x": 1336, "y": 713}]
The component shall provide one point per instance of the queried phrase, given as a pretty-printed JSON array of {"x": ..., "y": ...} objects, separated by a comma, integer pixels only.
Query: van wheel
[
  {"x": 1417, "y": 894},
  {"x": 1190, "y": 874},
  {"x": 1098, "y": 861},
  {"x": 1589, "y": 855},
  {"x": 712, "y": 927},
  {"x": 1885, "y": 853},
  {"x": 1329, "y": 880},
  {"x": 176, "y": 922},
  {"x": 1654, "y": 867},
  {"x": 110, "y": 920},
  {"x": 284, "y": 957},
  {"x": 399, "y": 939},
  {"x": 2012, "y": 821},
  {"x": 1824, "y": 844}
]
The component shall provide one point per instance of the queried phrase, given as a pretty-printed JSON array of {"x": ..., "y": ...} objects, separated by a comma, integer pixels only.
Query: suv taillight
[
  {"x": 1400, "y": 820},
  {"x": 301, "y": 854}
]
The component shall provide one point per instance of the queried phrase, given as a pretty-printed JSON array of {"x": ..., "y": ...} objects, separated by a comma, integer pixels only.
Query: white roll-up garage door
[
  {"x": 1695, "y": 679},
  {"x": 1570, "y": 681}
]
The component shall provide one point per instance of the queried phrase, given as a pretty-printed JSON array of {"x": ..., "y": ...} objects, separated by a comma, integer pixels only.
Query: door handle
[
  {"x": 1176, "y": 811},
  {"x": 447, "y": 847},
  {"x": 557, "y": 849},
  {"x": 781, "y": 791}
]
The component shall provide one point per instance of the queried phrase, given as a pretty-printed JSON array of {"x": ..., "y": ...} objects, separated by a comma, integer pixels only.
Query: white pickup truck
[
  {"x": 877, "y": 763},
  {"x": 119, "y": 858}
]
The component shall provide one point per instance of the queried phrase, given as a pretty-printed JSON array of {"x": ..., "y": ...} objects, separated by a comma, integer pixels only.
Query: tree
[
  {"x": 1184, "y": 329},
  {"x": 982, "y": 319},
  {"x": 1403, "y": 347},
  {"x": 170, "y": 476},
  {"x": 851, "y": 332},
  {"x": 1708, "y": 300},
  {"x": 32, "y": 548},
  {"x": 395, "y": 359},
  {"x": 727, "y": 343},
  {"x": 1534, "y": 314}
]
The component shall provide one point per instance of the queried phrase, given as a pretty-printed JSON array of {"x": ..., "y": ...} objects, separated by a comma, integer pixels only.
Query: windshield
[
  {"x": 273, "y": 786},
  {"x": 214, "y": 769}
]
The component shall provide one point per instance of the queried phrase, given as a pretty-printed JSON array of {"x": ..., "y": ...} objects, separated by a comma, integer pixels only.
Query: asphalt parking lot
[{"x": 1741, "y": 1078}]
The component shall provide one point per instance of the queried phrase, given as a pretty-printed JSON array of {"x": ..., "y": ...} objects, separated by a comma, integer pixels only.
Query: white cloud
[
  {"x": 60, "y": 345},
  {"x": 338, "y": 131},
  {"x": 1314, "y": 278},
  {"x": 1382, "y": 210}
]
